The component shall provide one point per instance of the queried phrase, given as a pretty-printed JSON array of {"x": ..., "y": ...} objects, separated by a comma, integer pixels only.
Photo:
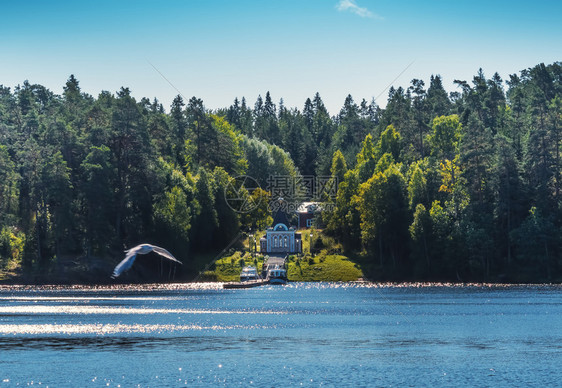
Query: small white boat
[
  {"x": 249, "y": 274},
  {"x": 277, "y": 275}
]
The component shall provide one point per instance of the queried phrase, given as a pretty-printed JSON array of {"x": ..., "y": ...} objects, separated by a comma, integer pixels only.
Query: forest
[{"x": 435, "y": 186}]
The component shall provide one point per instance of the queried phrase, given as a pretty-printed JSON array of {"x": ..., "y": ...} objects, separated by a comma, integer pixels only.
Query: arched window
[
  {"x": 286, "y": 242},
  {"x": 275, "y": 242}
]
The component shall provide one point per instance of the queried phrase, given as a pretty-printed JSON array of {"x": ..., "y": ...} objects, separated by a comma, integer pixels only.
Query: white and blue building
[{"x": 281, "y": 237}]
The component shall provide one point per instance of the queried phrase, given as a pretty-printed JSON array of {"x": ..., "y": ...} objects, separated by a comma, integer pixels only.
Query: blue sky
[{"x": 219, "y": 50}]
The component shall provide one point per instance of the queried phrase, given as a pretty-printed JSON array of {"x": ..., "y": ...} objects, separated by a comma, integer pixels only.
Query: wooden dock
[{"x": 248, "y": 284}]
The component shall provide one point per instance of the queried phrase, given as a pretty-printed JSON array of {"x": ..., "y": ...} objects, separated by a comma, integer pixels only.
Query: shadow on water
[
  {"x": 193, "y": 343},
  {"x": 210, "y": 344},
  {"x": 115, "y": 343}
]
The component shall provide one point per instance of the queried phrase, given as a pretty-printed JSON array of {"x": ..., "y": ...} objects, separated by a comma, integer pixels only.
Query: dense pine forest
[{"x": 461, "y": 186}]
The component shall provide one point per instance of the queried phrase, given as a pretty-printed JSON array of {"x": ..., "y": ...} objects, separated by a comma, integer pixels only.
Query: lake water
[{"x": 299, "y": 334}]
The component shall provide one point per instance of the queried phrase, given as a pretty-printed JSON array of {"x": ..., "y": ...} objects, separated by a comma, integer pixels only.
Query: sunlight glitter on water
[
  {"x": 386, "y": 285},
  {"x": 217, "y": 286},
  {"x": 103, "y": 329},
  {"x": 88, "y": 310},
  {"x": 117, "y": 287},
  {"x": 80, "y": 299}
]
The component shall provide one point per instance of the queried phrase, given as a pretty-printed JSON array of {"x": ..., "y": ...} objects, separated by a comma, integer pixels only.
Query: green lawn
[
  {"x": 228, "y": 268},
  {"x": 326, "y": 265},
  {"x": 320, "y": 268},
  {"x": 323, "y": 268}
]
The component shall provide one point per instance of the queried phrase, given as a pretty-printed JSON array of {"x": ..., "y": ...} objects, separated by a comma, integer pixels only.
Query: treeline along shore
[{"x": 462, "y": 186}]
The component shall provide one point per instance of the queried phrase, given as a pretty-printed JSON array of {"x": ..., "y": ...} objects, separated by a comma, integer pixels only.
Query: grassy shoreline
[{"x": 323, "y": 267}]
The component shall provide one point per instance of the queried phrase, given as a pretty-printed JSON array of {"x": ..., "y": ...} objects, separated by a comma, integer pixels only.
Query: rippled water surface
[{"x": 300, "y": 334}]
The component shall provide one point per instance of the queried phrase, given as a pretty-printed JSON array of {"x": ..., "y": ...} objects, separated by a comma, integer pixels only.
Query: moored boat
[
  {"x": 248, "y": 274},
  {"x": 249, "y": 278},
  {"x": 277, "y": 275}
]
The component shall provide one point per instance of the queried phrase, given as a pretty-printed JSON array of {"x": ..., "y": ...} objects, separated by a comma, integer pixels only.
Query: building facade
[
  {"x": 306, "y": 213},
  {"x": 281, "y": 237}
]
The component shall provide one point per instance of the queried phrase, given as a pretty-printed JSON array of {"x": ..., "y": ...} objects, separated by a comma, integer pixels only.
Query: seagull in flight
[{"x": 141, "y": 249}]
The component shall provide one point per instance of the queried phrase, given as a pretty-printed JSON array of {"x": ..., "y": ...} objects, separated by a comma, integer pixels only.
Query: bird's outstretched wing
[
  {"x": 138, "y": 249},
  {"x": 126, "y": 263},
  {"x": 141, "y": 249},
  {"x": 165, "y": 253}
]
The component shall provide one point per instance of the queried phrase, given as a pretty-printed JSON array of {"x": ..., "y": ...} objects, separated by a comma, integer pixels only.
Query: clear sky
[{"x": 219, "y": 50}]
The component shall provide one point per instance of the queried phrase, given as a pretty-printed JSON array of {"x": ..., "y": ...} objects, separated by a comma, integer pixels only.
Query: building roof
[
  {"x": 280, "y": 217},
  {"x": 308, "y": 207}
]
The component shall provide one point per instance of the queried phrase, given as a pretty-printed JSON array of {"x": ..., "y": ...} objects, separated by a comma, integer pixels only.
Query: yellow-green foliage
[
  {"x": 323, "y": 268},
  {"x": 11, "y": 249},
  {"x": 228, "y": 268},
  {"x": 318, "y": 241}
]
